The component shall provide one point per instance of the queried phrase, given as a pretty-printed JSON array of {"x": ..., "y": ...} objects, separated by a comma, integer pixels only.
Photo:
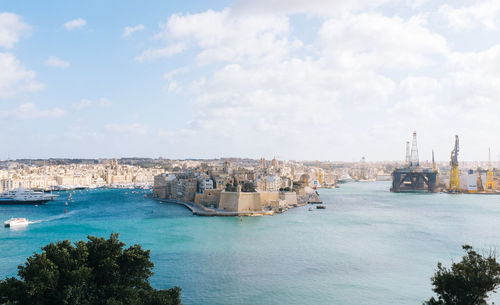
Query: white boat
[
  {"x": 345, "y": 178},
  {"x": 16, "y": 222},
  {"x": 23, "y": 196}
]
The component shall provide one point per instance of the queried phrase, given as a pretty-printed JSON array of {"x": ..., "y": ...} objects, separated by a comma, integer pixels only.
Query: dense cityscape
[
  {"x": 230, "y": 186},
  {"x": 250, "y": 152}
]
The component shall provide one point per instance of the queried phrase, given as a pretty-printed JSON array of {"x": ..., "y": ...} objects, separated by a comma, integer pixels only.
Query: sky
[{"x": 297, "y": 79}]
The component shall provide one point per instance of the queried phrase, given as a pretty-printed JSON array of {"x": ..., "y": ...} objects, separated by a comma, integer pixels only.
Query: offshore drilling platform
[{"x": 413, "y": 177}]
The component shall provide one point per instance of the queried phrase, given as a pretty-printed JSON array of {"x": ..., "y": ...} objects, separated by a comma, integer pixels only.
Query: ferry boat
[
  {"x": 16, "y": 222},
  {"x": 23, "y": 196}
]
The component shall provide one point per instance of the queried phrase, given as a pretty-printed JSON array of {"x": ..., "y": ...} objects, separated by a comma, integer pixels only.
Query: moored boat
[{"x": 23, "y": 196}]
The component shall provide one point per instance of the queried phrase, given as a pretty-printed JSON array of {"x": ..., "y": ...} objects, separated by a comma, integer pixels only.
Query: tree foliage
[
  {"x": 468, "y": 282},
  {"x": 99, "y": 271},
  {"x": 230, "y": 188},
  {"x": 248, "y": 187}
]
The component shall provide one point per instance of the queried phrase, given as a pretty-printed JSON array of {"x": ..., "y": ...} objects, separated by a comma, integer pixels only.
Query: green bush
[{"x": 99, "y": 271}]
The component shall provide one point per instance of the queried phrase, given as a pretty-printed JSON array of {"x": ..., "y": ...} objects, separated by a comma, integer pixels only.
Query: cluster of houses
[
  {"x": 224, "y": 187},
  {"x": 69, "y": 176}
]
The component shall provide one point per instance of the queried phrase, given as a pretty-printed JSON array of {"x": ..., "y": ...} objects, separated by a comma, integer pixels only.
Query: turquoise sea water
[{"x": 369, "y": 246}]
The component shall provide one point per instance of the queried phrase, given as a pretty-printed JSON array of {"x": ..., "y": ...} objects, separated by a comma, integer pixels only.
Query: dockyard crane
[
  {"x": 330, "y": 177},
  {"x": 435, "y": 169},
  {"x": 479, "y": 182},
  {"x": 320, "y": 173},
  {"x": 454, "y": 171},
  {"x": 490, "y": 183}
]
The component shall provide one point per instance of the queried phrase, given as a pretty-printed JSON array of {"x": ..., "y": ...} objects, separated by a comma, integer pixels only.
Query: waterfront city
[{"x": 247, "y": 152}]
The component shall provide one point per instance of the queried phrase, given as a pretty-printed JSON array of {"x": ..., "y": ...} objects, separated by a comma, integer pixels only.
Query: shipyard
[{"x": 412, "y": 177}]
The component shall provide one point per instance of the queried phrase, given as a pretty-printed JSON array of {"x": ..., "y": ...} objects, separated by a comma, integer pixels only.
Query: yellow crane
[
  {"x": 454, "y": 171},
  {"x": 435, "y": 169},
  {"x": 490, "y": 183},
  {"x": 320, "y": 174},
  {"x": 479, "y": 182}
]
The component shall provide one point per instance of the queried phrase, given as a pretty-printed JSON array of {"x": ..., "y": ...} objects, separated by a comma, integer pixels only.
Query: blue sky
[{"x": 328, "y": 80}]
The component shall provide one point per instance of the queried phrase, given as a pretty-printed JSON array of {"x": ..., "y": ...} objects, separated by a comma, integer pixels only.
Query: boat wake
[{"x": 52, "y": 218}]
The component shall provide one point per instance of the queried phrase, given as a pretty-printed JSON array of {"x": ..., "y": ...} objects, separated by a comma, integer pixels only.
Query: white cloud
[
  {"x": 11, "y": 29},
  {"x": 374, "y": 40},
  {"x": 129, "y": 30},
  {"x": 156, "y": 53},
  {"x": 414, "y": 4},
  {"x": 362, "y": 73},
  {"x": 226, "y": 36},
  {"x": 354, "y": 75},
  {"x": 317, "y": 7},
  {"x": 15, "y": 78},
  {"x": 170, "y": 75},
  {"x": 75, "y": 24},
  {"x": 132, "y": 128},
  {"x": 31, "y": 111},
  {"x": 56, "y": 62},
  {"x": 254, "y": 108},
  {"x": 481, "y": 14},
  {"x": 85, "y": 103},
  {"x": 415, "y": 85}
]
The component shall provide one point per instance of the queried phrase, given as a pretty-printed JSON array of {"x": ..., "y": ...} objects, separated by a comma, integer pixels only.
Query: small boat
[
  {"x": 314, "y": 201},
  {"x": 16, "y": 222},
  {"x": 321, "y": 207},
  {"x": 310, "y": 209}
]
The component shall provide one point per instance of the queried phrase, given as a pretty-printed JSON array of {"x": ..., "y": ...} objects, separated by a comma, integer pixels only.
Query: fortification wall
[
  {"x": 208, "y": 198},
  {"x": 267, "y": 197},
  {"x": 290, "y": 198},
  {"x": 240, "y": 202},
  {"x": 249, "y": 202},
  {"x": 228, "y": 201}
]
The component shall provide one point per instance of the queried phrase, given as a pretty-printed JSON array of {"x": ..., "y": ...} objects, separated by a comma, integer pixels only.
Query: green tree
[
  {"x": 99, "y": 271},
  {"x": 468, "y": 282},
  {"x": 248, "y": 187},
  {"x": 230, "y": 188}
]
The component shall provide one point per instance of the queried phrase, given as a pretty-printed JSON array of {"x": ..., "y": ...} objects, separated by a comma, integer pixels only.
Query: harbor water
[{"x": 369, "y": 246}]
